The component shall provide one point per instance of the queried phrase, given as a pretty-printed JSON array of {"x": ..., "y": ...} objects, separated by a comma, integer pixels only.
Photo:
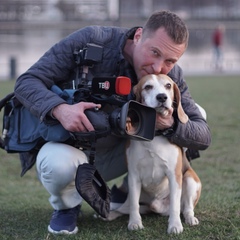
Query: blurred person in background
[{"x": 217, "y": 42}]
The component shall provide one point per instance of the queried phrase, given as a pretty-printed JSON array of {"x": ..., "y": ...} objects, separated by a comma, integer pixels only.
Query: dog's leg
[
  {"x": 190, "y": 196},
  {"x": 175, "y": 181},
  {"x": 160, "y": 204},
  {"x": 134, "y": 183}
]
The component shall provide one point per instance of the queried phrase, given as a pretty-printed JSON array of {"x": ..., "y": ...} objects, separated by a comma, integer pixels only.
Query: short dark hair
[{"x": 172, "y": 23}]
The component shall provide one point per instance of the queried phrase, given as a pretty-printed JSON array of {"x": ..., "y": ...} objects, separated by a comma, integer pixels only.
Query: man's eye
[
  {"x": 170, "y": 62},
  {"x": 155, "y": 53}
]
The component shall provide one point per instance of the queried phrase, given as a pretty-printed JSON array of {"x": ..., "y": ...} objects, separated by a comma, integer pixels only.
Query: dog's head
[{"x": 161, "y": 93}]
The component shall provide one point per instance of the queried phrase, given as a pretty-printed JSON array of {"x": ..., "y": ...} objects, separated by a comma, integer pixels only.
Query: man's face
[{"x": 155, "y": 54}]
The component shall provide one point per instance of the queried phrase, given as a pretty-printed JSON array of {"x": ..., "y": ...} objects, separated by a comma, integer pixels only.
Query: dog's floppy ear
[
  {"x": 180, "y": 112},
  {"x": 137, "y": 92}
]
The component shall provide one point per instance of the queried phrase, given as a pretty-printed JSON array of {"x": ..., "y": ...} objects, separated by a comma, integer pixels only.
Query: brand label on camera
[{"x": 104, "y": 85}]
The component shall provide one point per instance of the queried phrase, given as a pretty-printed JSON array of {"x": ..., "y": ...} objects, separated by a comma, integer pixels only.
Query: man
[
  {"x": 134, "y": 53},
  {"x": 217, "y": 41}
]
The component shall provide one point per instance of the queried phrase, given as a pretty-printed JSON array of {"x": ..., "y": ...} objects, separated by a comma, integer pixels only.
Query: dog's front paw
[
  {"x": 175, "y": 228},
  {"x": 112, "y": 216},
  {"x": 191, "y": 220},
  {"x": 137, "y": 225}
]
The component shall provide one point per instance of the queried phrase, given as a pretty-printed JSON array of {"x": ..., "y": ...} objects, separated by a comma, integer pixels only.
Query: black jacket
[{"x": 57, "y": 66}]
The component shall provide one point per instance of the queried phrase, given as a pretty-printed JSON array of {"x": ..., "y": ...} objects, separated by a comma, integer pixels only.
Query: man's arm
[{"x": 195, "y": 134}]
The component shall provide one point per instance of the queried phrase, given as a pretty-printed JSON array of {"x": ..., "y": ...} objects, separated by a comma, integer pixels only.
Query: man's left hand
[{"x": 164, "y": 121}]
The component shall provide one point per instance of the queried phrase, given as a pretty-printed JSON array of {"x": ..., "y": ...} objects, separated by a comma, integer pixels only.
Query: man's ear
[{"x": 137, "y": 35}]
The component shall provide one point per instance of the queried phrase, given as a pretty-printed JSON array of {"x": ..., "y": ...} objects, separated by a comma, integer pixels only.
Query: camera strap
[
  {"x": 90, "y": 185},
  {"x": 92, "y": 154}
]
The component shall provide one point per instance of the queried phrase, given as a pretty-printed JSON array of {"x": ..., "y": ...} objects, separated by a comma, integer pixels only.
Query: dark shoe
[
  {"x": 64, "y": 221},
  {"x": 118, "y": 197}
]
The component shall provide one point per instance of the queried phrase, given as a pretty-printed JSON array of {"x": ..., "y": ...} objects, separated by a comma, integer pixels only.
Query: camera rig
[{"x": 128, "y": 119}]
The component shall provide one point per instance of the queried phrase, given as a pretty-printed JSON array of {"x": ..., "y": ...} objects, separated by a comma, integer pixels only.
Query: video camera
[{"x": 130, "y": 118}]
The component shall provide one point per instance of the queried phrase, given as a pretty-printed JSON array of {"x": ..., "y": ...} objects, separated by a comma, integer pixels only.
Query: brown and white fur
[{"x": 159, "y": 174}]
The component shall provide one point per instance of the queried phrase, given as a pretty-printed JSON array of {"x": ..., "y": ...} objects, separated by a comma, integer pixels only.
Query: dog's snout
[{"x": 162, "y": 97}]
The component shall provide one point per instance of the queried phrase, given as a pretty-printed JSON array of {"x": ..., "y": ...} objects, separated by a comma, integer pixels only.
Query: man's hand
[
  {"x": 73, "y": 118},
  {"x": 164, "y": 121}
]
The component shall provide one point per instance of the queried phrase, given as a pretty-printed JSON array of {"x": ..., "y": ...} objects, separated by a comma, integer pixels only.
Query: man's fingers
[{"x": 91, "y": 106}]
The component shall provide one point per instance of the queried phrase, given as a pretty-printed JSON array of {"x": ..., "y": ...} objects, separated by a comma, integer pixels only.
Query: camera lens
[{"x": 133, "y": 122}]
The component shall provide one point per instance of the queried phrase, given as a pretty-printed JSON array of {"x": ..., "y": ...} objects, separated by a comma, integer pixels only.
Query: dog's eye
[
  {"x": 168, "y": 86},
  {"x": 148, "y": 87}
]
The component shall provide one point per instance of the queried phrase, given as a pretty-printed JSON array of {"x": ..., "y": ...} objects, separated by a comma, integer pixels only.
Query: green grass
[{"x": 25, "y": 211}]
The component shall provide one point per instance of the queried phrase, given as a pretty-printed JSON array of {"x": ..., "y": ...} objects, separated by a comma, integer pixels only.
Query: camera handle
[
  {"x": 88, "y": 56},
  {"x": 83, "y": 80}
]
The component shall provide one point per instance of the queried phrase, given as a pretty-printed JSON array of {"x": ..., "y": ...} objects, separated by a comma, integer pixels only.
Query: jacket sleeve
[{"x": 195, "y": 134}]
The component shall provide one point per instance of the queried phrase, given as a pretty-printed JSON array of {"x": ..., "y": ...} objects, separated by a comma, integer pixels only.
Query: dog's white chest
[{"x": 150, "y": 161}]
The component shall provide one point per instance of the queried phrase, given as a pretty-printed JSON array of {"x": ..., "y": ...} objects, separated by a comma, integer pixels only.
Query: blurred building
[
  {"x": 24, "y": 24},
  {"x": 22, "y": 10}
]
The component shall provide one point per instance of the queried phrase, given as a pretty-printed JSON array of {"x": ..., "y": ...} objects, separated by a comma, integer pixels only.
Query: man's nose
[{"x": 158, "y": 67}]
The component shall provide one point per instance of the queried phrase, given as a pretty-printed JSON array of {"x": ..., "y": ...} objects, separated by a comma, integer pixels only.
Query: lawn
[{"x": 25, "y": 211}]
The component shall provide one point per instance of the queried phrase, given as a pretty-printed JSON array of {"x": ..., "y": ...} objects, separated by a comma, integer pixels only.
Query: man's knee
[{"x": 58, "y": 162}]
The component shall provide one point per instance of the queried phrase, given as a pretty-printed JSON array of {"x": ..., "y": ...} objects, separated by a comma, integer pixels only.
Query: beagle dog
[{"x": 159, "y": 174}]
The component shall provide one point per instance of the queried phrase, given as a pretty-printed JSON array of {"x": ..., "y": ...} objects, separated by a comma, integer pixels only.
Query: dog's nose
[{"x": 161, "y": 97}]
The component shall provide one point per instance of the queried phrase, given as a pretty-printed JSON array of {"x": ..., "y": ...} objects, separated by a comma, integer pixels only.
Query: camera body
[{"x": 130, "y": 118}]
